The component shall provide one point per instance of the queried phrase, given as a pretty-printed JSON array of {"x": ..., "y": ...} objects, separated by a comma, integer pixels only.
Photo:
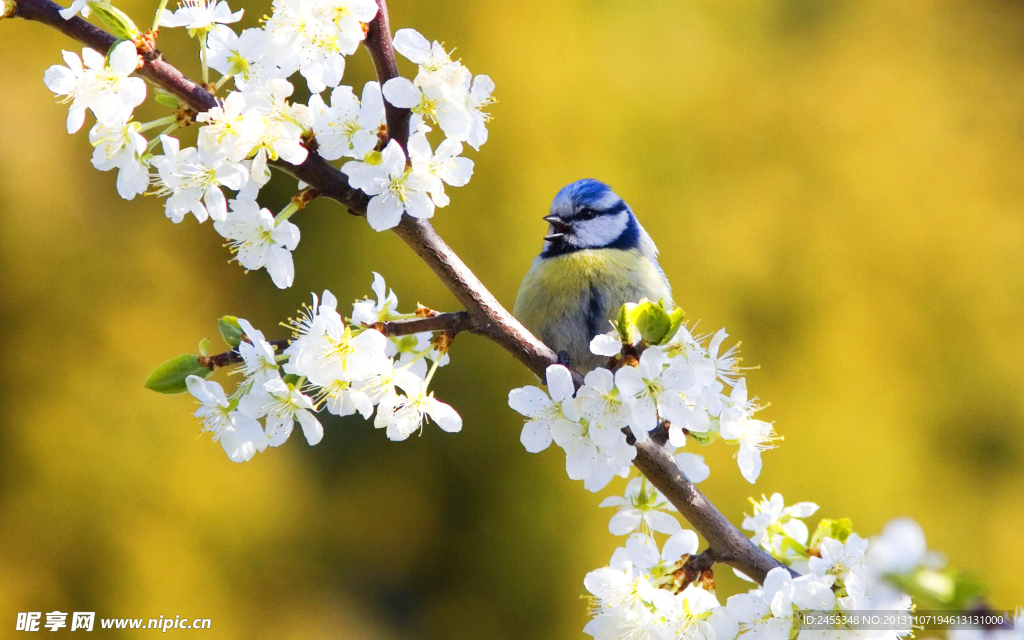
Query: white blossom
[
  {"x": 109, "y": 89},
  {"x": 900, "y": 549},
  {"x": 227, "y": 130},
  {"x": 606, "y": 344},
  {"x": 249, "y": 57},
  {"x": 442, "y": 167},
  {"x": 258, "y": 241},
  {"x": 626, "y": 604},
  {"x": 838, "y": 559},
  {"x": 380, "y": 310},
  {"x": 348, "y": 127},
  {"x": 281, "y": 405},
  {"x": 769, "y": 612},
  {"x": 76, "y": 7},
  {"x": 322, "y": 32},
  {"x": 401, "y": 416},
  {"x": 443, "y": 91},
  {"x": 590, "y": 457},
  {"x": 326, "y": 349},
  {"x": 338, "y": 362},
  {"x": 67, "y": 81},
  {"x": 240, "y": 435},
  {"x": 259, "y": 360},
  {"x": 643, "y": 508},
  {"x": 200, "y": 16},
  {"x": 545, "y": 410},
  {"x": 395, "y": 189},
  {"x": 753, "y": 436},
  {"x": 104, "y": 87},
  {"x": 647, "y": 386},
  {"x": 117, "y": 144},
  {"x": 693, "y": 466},
  {"x": 192, "y": 178},
  {"x": 777, "y": 527},
  {"x": 644, "y": 552},
  {"x": 479, "y": 98},
  {"x": 601, "y": 402}
]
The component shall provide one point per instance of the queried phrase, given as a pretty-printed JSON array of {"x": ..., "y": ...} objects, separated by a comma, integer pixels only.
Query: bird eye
[{"x": 586, "y": 213}]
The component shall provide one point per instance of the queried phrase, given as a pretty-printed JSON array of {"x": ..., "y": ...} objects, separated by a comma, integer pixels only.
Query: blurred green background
[{"x": 838, "y": 183}]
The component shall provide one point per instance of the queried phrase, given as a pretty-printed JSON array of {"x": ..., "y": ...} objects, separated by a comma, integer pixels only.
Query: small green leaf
[
  {"x": 837, "y": 529},
  {"x": 291, "y": 379},
  {"x": 230, "y": 330},
  {"x": 165, "y": 98},
  {"x": 622, "y": 323},
  {"x": 676, "y": 320},
  {"x": 115, "y": 19},
  {"x": 705, "y": 438},
  {"x": 789, "y": 544},
  {"x": 170, "y": 376},
  {"x": 204, "y": 347},
  {"x": 653, "y": 322}
]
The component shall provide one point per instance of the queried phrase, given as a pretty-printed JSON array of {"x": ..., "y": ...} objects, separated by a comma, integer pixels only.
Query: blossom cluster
[
  {"x": 638, "y": 595},
  {"x": 651, "y": 591},
  {"x": 343, "y": 366},
  {"x": 680, "y": 383},
  {"x": 256, "y": 123}
]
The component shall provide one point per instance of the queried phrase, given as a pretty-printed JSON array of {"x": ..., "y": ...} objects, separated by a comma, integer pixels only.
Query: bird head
[{"x": 587, "y": 214}]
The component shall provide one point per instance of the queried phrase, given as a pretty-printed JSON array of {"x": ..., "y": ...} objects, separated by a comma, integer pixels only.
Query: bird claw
[{"x": 564, "y": 359}]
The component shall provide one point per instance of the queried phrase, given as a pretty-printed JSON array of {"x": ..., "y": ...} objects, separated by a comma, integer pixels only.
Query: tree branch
[
  {"x": 378, "y": 44},
  {"x": 229, "y": 358},
  {"x": 451, "y": 323},
  {"x": 484, "y": 314}
]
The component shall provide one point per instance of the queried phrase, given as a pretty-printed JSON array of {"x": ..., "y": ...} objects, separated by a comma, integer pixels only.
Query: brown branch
[
  {"x": 452, "y": 323},
  {"x": 728, "y": 544},
  {"x": 229, "y": 358},
  {"x": 484, "y": 314},
  {"x": 378, "y": 44}
]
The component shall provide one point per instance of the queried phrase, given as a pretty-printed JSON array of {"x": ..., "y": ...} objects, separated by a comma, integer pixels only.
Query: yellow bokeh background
[{"x": 837, "y": 183}]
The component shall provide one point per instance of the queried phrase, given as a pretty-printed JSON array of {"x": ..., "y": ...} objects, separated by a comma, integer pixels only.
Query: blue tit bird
[{"x": 595, "y": 258}]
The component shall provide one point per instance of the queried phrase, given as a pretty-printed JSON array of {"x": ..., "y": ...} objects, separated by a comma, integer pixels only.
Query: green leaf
[
  {"x": 622, "y": 323},
  {"x": 230, "y": 330},
  {"x": 705, "y": 438},
  {"x": 837, "y": 529},
  {"x": 653, "y": 322},
  {"x": 204, "y": 347},
  {"x": 291, "y": 379},
  {"x": 165, "y": 98},
  {"x": 789, "y": 544},
  {"x": 675, "y": 321},
  {"x": 170, "y": 376},
  {"x": 940, "y": 588},
  {"x": 116, "y": 20}
]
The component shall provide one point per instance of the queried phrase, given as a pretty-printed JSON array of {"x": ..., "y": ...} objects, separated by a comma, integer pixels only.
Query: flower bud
[
  {"x": 8, "y": 8},
  {"x": 118, "y": 21}
]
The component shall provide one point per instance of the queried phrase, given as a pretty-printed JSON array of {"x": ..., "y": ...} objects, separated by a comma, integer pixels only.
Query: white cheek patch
[{"x": 599, "y": 231}]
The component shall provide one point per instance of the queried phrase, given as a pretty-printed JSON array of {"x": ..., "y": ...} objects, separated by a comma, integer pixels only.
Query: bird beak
[{"x": 558, "y": 227}]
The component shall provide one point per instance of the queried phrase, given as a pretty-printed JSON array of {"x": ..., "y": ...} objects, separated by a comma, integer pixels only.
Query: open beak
[{"x": 558, "y": 227}]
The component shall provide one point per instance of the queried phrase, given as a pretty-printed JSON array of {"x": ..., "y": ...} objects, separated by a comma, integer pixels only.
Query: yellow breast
[{"x": 567, "y": 299}]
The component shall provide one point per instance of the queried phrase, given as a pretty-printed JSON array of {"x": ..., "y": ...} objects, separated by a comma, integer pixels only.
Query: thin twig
[
  {"x": 229, "y": 358},
  {"x": 451, "y": 323},
  {"x": 484, "y": 314}
]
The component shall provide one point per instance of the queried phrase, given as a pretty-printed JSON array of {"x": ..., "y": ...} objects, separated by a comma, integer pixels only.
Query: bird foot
[{"x": 565, "y": 360}]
